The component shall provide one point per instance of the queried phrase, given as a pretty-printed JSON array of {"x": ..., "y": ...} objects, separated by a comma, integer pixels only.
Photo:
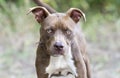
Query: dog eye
[
  {"x": 68, "y": 32},
  {"x": 49, "y": 31}
]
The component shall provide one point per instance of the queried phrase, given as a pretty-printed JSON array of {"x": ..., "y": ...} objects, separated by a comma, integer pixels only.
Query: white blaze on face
[
  {"x": 59, "y": 37},
  {"x": 62, "y": 63}
]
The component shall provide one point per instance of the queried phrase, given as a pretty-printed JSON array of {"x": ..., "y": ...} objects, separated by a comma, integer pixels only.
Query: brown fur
[{"x": 76, "y": 40}]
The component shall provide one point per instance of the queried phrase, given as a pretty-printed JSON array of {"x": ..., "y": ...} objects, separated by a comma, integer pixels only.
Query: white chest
[{"x": 63, "y": 64}]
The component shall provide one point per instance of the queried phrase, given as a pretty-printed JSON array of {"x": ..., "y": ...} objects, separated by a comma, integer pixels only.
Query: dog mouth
[{"x": 57, "y": 53}]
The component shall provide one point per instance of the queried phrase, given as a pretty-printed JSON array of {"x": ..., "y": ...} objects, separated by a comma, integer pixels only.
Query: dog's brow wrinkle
[{"x": 57, "y": 15}]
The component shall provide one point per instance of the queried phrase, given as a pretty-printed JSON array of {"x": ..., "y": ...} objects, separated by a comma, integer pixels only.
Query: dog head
[{"x": 57, "y": 29}]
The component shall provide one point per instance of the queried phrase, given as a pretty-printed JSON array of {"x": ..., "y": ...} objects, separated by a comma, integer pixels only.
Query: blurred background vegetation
[{"x": 19, "y": 34}]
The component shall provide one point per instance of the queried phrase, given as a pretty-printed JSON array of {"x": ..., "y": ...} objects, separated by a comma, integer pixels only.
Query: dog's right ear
[
  {"x": 40, "y": 13},
  {"x": 76, "y": 14}
]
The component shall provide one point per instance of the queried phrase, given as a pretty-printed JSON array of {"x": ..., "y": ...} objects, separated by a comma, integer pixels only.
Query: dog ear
[
  {"x": 40, "y": 13},
  {"x": 76, "y": 14}
]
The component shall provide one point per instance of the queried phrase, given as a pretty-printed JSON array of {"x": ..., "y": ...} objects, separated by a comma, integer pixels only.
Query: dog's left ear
[
  {"x": 76, "y": 14},
  {"x": 40, "y": 13}
]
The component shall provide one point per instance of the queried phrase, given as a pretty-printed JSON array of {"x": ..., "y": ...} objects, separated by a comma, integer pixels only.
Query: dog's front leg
[
  {"x": 41, "y": 63},
  {"x": 86, "y": 60},
  {"x": 79, "y": 61},
  {"x": 40, "y": 70}
]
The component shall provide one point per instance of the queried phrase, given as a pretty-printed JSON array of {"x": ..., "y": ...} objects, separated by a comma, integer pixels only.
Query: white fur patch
[
  {"x": 63, "y": 64},
  {"x": 68, "y": 76}
]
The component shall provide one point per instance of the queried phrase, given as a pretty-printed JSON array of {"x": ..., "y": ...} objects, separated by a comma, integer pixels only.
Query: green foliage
[{"x": 97, "y": 10}]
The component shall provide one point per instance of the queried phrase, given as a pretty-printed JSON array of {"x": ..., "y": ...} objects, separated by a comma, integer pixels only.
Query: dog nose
[{"x": 58, "y": 46}]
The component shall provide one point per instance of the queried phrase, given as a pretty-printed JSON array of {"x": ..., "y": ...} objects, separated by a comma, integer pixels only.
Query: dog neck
[{"x": 63, "y": 64}]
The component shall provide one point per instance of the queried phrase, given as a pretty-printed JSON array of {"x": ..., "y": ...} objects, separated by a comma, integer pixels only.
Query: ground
[{"x": 18, "y": 51}]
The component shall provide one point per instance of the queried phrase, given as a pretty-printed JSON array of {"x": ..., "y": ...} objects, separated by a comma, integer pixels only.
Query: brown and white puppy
[{"x": 61, "y": 52}]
